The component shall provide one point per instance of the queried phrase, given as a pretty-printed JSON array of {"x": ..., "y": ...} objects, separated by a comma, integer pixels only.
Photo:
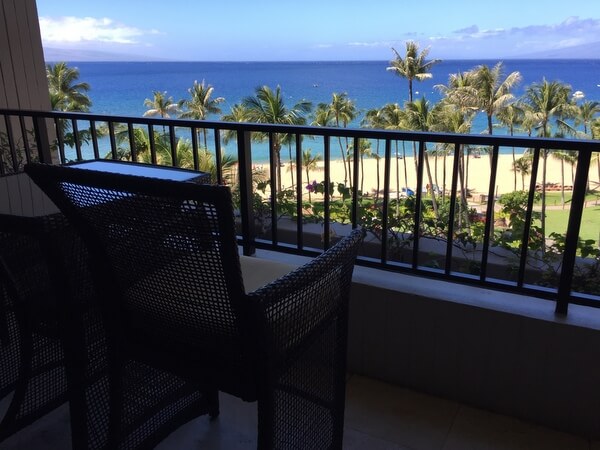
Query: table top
[{"x": 143, "y": 170}]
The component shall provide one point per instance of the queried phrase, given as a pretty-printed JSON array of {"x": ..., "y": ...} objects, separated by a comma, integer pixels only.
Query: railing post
[
  {"x": 245, "y": 176},
  {"x": 572, "y": 237},
  {"x": 41, "y": 137}
]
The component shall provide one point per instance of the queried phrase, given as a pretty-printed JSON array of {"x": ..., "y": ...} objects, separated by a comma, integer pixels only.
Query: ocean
[{"x": 120, "y": 88}]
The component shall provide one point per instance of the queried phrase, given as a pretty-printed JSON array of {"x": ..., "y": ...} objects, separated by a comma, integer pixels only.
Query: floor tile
[
  {"x": 481, "y": 430},
  {"x": 235, "y": 429},
  {"x": 52, "y": 432},
  {"x": 401, "y": 416},
  {"x": 355, "y": 440}
]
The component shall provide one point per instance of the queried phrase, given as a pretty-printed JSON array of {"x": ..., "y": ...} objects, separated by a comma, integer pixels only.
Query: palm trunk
[
  {"x": 404, "y": 164},
  {"x": 362, "y": 171},
  {"x": 463, "y": 205},
  {"x": 543, "y": 213},
  {"x": 562, "y": 183},
  {"x": 467, "y": 173},
  {"x": 397, "y": 180},
  {"x": 435, "y": 169},
  {"x": 378, "y": 176},
  {"x": 277, "y": 162},
  {"x": 444, "y": 177},
  {"x": 515, "y": 172},
  {"x": 428, "y": 168},
  {"x": 205, "y": 139},
  {"x": 343, "y": 159},
  {"x": 291, "y": 162}
]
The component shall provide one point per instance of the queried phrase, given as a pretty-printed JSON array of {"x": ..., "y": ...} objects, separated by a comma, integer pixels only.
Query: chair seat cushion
[{"x": 258, "y": 272}]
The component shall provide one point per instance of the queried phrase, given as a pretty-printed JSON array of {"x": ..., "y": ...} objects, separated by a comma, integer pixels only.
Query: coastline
[{"x": 477, "y": 182}]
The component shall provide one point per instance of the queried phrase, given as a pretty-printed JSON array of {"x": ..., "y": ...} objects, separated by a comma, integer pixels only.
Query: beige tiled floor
[{"x": 379, "y": 416}]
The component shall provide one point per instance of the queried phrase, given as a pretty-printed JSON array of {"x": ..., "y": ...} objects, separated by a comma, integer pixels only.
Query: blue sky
[{"x": 267, "y": 30}]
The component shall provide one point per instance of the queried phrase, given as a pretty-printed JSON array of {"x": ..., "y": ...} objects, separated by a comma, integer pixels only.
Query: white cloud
[
  {"x": 72, "y": 30},
  {"x": 369, "y": 44}
]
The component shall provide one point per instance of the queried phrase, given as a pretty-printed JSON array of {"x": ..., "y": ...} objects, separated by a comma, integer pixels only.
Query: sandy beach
[{"x": 478, "y": 177}]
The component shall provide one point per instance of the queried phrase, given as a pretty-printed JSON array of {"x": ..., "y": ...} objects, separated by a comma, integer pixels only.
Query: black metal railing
[{"x": 441, "y": 237}]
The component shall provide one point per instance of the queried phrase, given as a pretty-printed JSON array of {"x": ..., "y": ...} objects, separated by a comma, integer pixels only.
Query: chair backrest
[{"x": 164, "y": 253}]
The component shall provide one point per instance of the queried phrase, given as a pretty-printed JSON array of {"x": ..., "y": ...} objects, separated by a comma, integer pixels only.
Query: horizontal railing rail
[{"x": 425, "y": 229}]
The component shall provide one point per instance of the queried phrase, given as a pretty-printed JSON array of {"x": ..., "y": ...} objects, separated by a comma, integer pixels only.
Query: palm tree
[
  {"x": 201, "y": 105},
  {"x": 456, "y": 115},
  {"x": 547, "y": 100},
  {"x": 455, "y": 119},
  {"x": 587, "y": 112},
  {"x": 489, "y": 93},
  {"x": 523, "y": 166},
  {"x": 309, "y": 161},
  {"x": 267, "y": 106},
  {"x": 419, "y": 117},
  {"x": 413, "y": 66},
  {"x": 339, "y": 112},
  {"x": 374, "y": 119},
  {"x": 66, "y": 94},
  {"x": 562, "y": 156},
  {"x": 393, "y": 119},
  {"x": 511, "y": 116},
  {"x": 160, "y": 105},
  {"x": 237, "y": 113}
]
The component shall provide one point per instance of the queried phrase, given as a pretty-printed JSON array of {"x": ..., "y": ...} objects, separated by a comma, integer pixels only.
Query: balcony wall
[{"x": 497, "y": 351}]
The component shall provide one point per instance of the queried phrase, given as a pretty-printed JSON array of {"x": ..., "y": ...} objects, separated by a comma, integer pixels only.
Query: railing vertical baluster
[
  {"x": 273, "y": 183},
  {"x": 113, "y": 143},
  {"x": 528, "y": 217},
  {"x": 132, "y": 145},
  {"x": 452, "y": 212},
  {"x": 245, "y": 175},
  {"x": 173, "y": 143},
  {"x": 572, "y": 237},
  {"x": 355, "y": 184},
  {"x": 194, "y": 135},
  {"x": 77, "y": 140},
  {"x": 489, "y": 214},
  {"x": 94, "y": 139},
  {"x": 40, "y": 130},
  {"x": 299, "y": 230},
  {"x": 218, "y": 156},
  {"x": 326, "y": 198},
  {"x": 58, "y": 124},
  {"x": 386, "y": 199},
  {"x": 418, "y": 207},
  {"x": 152, "y": 140},
  {"x": 11, "y": 144},
  {"x": 26, "y": 145}
]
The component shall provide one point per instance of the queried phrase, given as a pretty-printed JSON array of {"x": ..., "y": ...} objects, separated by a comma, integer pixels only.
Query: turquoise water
[{"x": 120, "y": 88}]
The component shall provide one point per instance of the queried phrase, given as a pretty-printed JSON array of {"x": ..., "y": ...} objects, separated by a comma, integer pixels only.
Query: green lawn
[
  {"x": 553, "y": 198},
  {"x": 557, "y": 219}
]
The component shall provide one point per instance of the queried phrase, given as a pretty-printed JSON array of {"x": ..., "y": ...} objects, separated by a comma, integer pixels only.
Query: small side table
[{"x": 143, "y": 170}]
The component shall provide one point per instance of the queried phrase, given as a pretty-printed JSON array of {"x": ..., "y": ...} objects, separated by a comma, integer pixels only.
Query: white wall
[
  {"x": 23, "y": 85},
  {"x": 23, "y": 82}
]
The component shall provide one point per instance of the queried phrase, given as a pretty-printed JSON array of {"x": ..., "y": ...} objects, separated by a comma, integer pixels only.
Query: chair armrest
[{"x": 299, "y": 305}]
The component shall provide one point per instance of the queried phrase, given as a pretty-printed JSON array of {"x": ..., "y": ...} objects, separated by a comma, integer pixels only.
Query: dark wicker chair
[
  {"x": 53, "y": 351},
  {"x": 32, "y": 363},
  {"x": 166, "y": 260}
]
